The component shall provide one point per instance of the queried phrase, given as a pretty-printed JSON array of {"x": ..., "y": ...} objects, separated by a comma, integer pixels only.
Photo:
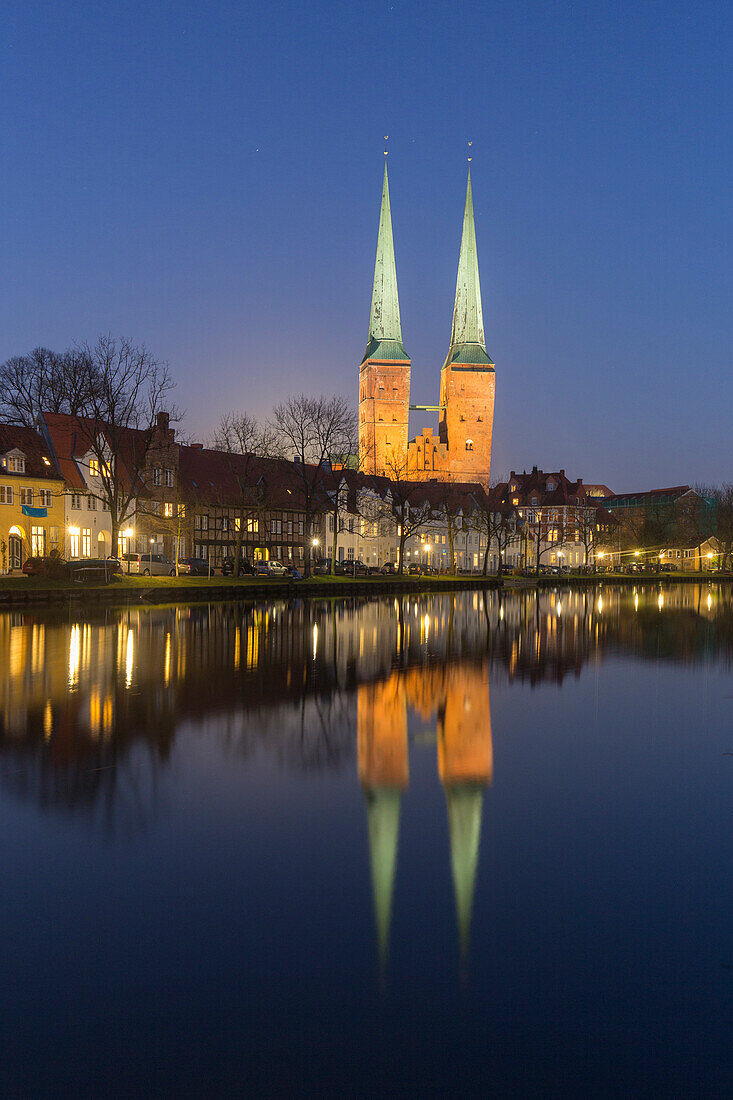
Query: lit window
[
  {"x": 469, "y": 444},
  {"x": 94, "y": 467},
  {"x": 168, "y": 510}
]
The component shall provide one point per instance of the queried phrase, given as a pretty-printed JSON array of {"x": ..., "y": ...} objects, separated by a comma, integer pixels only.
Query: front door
[{"x": 15, "y": 552}]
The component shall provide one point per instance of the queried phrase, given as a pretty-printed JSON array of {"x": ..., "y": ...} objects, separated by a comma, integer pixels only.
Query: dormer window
[
  {"x": 535, "y": 500},
  {"x": 14, "y": 462},
  {"x": 513, "y": 487},
  {"x": 550, "y": 485}
]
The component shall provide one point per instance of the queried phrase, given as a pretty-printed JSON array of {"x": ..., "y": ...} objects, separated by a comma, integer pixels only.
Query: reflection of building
[
  {"x": 383, "y": 771},
  {"x": 458, "y": 696}
]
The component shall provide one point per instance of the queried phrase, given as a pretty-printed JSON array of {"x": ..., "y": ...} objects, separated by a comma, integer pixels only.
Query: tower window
[
  {"x": 479, "y": 419},
  {"x": 469, "y": 444}
]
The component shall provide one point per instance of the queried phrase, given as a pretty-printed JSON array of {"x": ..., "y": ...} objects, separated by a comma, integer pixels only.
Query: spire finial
[
  {"x": 386, "y": 139},
  {"x": 469, "y": 151}
]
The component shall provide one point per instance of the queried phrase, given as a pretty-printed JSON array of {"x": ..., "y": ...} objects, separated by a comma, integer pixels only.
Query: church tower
[
  {"x": 467, "y": 377},
  {"x": 384, "y": 375}
]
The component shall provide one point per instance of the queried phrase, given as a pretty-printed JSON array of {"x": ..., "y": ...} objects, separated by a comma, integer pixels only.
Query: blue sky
[{"x": 205, "y": 178}]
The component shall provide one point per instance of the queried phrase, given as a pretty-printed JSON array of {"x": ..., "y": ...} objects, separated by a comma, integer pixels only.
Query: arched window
[{"x": 469, "y": 444}]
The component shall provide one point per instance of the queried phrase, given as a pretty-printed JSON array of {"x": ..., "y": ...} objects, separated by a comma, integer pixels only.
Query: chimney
[{"x": 162, "y": 420}]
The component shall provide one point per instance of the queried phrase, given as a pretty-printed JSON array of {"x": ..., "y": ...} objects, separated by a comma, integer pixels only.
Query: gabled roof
[
  {"x": 33, "y": 446},
  {"x": 225, "y": 479},
  {"x": 644, "y": 499},
  {"x": 71, "y": 437}
]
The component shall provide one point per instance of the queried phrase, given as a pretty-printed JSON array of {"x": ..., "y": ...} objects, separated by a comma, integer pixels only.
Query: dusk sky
[{"x": 205, "y": 178}]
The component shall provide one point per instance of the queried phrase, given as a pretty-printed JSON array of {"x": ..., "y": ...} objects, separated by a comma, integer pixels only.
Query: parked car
[
  {"x": 196, "y": 567},
  {"x": 53, "y": 566},
  {"x": 150, "y": 565},
  {"x": 389, "y": 569},
  {"x": 34, "y": 567},
  {"x": 273, "y": 568},
  {"x": 414, "y": 569},
  {"x": 246, "y": 568},
  {"x": 322, "y": 566}
]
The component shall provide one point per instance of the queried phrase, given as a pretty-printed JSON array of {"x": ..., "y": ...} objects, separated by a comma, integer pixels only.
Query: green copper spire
[
  {"x": 467, "y": 343},
  {"x": 383, "y": 816},
  {"x": 464, "y": 826},
  {"x": 385, "y": 328}
]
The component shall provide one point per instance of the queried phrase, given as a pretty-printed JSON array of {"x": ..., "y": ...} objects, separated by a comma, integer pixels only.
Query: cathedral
[{"x": 461, "y": 449}]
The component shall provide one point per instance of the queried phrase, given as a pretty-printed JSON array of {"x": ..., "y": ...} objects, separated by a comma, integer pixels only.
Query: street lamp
[{"x": 127, "y": 534}]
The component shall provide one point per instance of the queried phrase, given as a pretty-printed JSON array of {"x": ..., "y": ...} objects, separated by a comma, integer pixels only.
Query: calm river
[{"x": 456, "y": 845}]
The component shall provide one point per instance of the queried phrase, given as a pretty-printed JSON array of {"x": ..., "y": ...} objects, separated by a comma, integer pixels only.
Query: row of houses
[{"x": 88, "y": 491}]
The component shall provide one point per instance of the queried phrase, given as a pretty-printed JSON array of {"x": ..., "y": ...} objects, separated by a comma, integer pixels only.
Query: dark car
[
  {"x": 53, "y": 566},
  {"x": 389, "y": 569},
  {"x": 414, "y": 569},
  {"x": 196, "y": 567},
  {"x": 322, "y": 567},
  {"x": 246, "y": 568},
  {"x": 34, "y": 567}
]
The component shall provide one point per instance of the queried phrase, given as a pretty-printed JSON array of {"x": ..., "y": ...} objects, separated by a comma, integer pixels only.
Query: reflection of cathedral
[{"x": 458, "y": 696}]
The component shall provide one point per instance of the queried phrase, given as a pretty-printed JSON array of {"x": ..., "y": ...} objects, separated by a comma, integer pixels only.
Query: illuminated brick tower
[
  {"x": 467, "y": 377},
  {"x": 384, "y": 375}
]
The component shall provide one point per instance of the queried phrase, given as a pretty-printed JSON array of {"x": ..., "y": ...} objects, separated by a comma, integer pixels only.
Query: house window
[
  {"x": 94, "y": 467},
  {"x": 6, "y": 494},
  {"x": 54, "y": 535},
  {"x": 168, "y": 475},
  {"x": 156, "y": 476},
  {"x": 15, "y": 464},
  {"x": 76, "y": 500},
  {"x": 168, "y": 510},
  {"x": 469, "y": 444},
  {"x": 86, "y": 543},
  {"x": 26, "y": 496},
  {"x": 225, "y": 523},
  {"x": 300, "y": 526},
  {"x": 38, "y": 542},
  {"x": 92, "y": 503},
  {"x": 181, "y": 511},
  {"x": 252, "y": 527},
  {"x": 74, "y": 542},
  {"x": 350, "y": 553}
]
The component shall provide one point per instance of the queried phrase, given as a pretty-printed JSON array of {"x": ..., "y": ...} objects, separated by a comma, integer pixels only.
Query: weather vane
[
  {"x": 386, "y": 139},
  {"x": 469, "y": 151}
]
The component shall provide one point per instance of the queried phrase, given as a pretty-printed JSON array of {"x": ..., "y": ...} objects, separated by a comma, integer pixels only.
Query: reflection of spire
[
  {"x": 465, "y": 763},
  {"x": 383, "y": 771},
  {"x": 464, "y": 826},
  {"x": 383, "y": 817}
]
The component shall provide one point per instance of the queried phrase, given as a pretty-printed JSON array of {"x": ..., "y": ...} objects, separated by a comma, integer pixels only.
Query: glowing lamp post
[{"x": 127, "y": 534}]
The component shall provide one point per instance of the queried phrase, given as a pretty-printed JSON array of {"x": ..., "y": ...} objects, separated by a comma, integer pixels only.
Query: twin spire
[{"x": 385, "y": 327}]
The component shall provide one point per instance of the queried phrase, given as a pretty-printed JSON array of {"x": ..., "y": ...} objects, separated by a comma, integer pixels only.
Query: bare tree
[
  {"x": 315, "y": 431},
  {"x": 722, "y": 502},
  {"x": 126, "y": 389},
  {"x": 410, "y": 506},
  {"x": 44, "y": 381},
  {"x": 495, "y": 520},
  {"x": 245, "y": 441}
]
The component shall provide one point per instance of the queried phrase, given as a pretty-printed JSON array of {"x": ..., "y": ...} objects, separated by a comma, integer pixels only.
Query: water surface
[{"x": 467, "y": 843}]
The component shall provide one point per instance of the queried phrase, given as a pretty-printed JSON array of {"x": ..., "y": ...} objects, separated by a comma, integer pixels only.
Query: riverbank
[{"x": 25, "y": 591}]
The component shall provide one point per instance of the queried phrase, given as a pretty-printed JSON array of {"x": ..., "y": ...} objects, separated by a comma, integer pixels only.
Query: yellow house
[{"x": 31, "y": 498}]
